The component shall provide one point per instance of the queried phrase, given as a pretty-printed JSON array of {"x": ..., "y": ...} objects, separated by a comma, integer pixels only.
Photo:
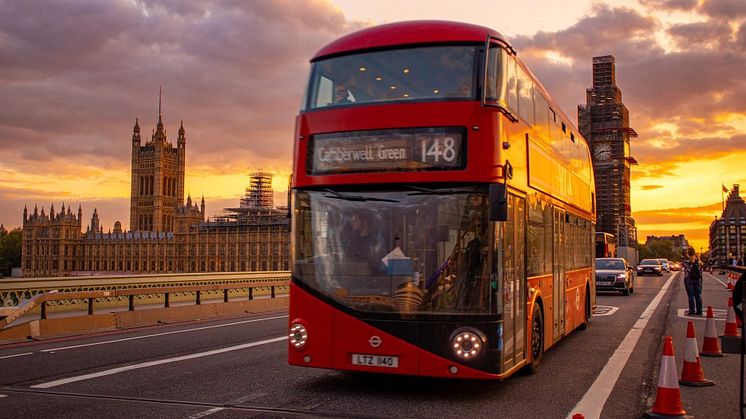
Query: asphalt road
[{"x": 237, "y": 367}]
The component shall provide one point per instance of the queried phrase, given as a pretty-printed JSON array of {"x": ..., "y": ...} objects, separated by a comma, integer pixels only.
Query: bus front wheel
[{"x": 537, "y": 340}]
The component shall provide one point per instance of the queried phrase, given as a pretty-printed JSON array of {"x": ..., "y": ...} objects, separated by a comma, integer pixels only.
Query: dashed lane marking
[
  {"x": 64, "y": 348},
  {"x": 604, "y": 311},
  {"x": 155, "y": 363},
  {"x": 16, "y": 355}
]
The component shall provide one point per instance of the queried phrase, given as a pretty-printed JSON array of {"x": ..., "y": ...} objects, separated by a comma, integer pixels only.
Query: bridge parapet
[{"x": 15, "y": 291}]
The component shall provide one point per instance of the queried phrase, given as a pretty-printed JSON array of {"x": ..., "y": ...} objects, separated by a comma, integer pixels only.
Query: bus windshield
[
  {"x": 412, "y": 251},
  {"x": 432, "y": 73}
]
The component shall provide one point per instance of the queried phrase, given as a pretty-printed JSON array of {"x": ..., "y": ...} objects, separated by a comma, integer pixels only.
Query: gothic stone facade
[{"x": 167, "y": 236}]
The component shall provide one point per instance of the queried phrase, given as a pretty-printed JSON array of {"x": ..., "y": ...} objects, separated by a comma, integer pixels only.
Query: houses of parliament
[{"x": 167, "y": 234}]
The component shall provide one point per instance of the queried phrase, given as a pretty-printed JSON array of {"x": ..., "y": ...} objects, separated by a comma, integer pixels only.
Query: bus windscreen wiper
[
  {"x": 427, "y": 191},
  {"x": 358, "y": 198}
]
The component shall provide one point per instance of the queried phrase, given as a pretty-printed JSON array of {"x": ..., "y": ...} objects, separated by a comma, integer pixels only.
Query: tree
[
  {"x": 10, "y": 251},
  {"x": 658, "y": 249}
]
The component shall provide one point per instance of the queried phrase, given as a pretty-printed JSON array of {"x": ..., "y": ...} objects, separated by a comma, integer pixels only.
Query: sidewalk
[{"x": 722, "y": 399}]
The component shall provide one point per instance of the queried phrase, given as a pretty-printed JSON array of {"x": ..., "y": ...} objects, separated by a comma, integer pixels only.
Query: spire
[
  {"x": 202, "y": 206},
  {"x": 25, "y": 213},
  {"x": 182, "y": 137},
  {"x": 136, "y": 133},
  {"x": 159, "y": 134}
]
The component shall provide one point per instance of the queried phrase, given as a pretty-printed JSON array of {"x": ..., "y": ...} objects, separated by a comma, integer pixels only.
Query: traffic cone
[
  {"x": 731, "y": 329},
  {"x": 711, "y": 344},
  {"x": 668, "y": 397},
  {"x": 730, "y": 281},
  {"x": 692, "y": 374}
]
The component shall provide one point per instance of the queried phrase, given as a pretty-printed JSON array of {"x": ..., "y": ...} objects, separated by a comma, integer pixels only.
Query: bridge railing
[
  {"x": 23, "y": 296},
  {"x": 42, "y": 300}
]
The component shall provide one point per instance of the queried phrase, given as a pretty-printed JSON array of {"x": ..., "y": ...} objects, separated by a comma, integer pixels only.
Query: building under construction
[
  {"x": 259, "y": 194},
  {"x": 604, "y": 122}
]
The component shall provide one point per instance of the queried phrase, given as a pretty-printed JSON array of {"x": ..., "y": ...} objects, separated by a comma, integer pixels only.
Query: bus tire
[
  {"x": 537, "y": 340},
  {"x": 587, "y": 321}
]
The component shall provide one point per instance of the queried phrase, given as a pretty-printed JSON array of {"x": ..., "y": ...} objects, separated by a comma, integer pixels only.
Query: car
[
  {"x": 614, "y": 274},
  {"x": 650, "y": 266},
  {"x": 665, "y": 264}
]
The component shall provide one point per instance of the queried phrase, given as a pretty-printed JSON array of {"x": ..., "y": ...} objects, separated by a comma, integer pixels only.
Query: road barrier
[{"x": 248, "y": 296}]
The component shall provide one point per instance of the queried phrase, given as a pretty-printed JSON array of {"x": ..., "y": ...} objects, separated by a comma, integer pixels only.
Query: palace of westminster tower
[{"x": 157, "y": 179}]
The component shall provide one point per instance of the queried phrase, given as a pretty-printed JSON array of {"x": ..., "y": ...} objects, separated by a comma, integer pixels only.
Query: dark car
[
  {"x": 613, "y": 274},
  {"x": 650, "y": 266}
]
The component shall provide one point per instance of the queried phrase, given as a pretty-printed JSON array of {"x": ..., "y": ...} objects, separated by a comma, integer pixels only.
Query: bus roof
[{"x": 407, "y": 33}]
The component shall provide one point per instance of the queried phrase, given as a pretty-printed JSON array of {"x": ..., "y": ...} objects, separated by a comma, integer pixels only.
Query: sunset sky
[{"x": 75, "y": 74}]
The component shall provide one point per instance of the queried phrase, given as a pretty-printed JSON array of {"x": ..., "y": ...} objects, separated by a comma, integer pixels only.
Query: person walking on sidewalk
[{"x": 693, "y": 284}]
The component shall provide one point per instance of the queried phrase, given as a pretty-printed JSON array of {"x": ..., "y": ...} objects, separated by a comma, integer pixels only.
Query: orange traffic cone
[
  {"x": 668, "y": 397},
  {"x": 730, "y": 281},
  {"x": 711, "y": 345},
  {"x": 731, "y": 329},
  {"x": 692, "y": 374}
]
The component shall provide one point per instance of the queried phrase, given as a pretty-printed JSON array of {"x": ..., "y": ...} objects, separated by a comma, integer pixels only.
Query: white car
[{"x": 666, "y": 264}]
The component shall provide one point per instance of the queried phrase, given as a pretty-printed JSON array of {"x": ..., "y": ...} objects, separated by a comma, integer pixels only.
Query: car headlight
[
  {"x": 621, "y": 276},
  {"x": 298, "y": 335},
  {"x": 467, "y": 343}
]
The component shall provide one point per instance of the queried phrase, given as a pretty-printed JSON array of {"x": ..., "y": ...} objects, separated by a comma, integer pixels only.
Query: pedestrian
[{"x": 693, "y": 284}]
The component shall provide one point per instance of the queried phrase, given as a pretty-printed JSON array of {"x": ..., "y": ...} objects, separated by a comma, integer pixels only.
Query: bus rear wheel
[{"x": 537, "y": 340}]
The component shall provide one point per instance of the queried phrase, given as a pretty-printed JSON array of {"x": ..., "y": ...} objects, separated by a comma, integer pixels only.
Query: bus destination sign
[{"x": 387, "y": 150}]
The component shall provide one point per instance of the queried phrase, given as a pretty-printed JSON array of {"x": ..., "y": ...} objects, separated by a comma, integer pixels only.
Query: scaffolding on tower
[{"x": 259, "y": 194}]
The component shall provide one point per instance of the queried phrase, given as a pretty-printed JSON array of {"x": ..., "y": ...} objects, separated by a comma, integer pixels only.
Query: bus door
[
  {"x": 558, "y": 271},
  {"x": 513, "y": 283}
]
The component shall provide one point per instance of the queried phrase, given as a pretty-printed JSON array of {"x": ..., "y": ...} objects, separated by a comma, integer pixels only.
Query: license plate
[
  {"x": 375, "y": 360},
  {"x": 605, "y": 283}
]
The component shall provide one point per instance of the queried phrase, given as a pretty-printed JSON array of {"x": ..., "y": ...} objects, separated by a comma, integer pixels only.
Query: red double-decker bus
[{"x": 442, "y": 208}]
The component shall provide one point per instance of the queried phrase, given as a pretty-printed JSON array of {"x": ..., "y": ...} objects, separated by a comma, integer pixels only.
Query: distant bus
[
  {"x": 605, "y": 245},
  {"x": 442, "y": 208}
]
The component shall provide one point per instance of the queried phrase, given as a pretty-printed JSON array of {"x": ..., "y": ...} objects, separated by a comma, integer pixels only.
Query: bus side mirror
[{"x": 498, "y": 202}]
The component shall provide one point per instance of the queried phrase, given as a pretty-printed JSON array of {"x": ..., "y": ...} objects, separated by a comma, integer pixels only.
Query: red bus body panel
[
  {"x": 407, "y": 33},
  {"x": 333, "y": 336}
]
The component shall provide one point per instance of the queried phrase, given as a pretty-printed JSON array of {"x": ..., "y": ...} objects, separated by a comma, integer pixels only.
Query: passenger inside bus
[{"x": 342, "y": 94}]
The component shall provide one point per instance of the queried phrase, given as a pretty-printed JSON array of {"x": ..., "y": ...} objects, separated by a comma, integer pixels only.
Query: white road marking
[
  {"x": 594, "y": 399},
  {"x": 717, "y": 313},
  {"x": 161, "y": 334},
  {"x": 715, "y": 278},
  {"x": 16, "y": 355},
  {"x": 154, "y": 363},
  {"x": 206, "y": 413},
  {"x": 604, "y": 311},
  {"x": 232, "y": 402},
  {"x": 3, "y": 395}
]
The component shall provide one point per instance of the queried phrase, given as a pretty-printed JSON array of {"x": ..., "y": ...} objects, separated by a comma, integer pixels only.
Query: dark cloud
[
  {"x": 725, "y": 9},
  {"x": 79, "y": 72},
  {"x": 686, "y": 5},
  {"x": 701, "y": 34}
]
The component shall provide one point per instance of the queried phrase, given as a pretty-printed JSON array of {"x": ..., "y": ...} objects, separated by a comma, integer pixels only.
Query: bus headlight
[
  {"x": 298, "y": 335},
  {"x": 467, "y": 343}
]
